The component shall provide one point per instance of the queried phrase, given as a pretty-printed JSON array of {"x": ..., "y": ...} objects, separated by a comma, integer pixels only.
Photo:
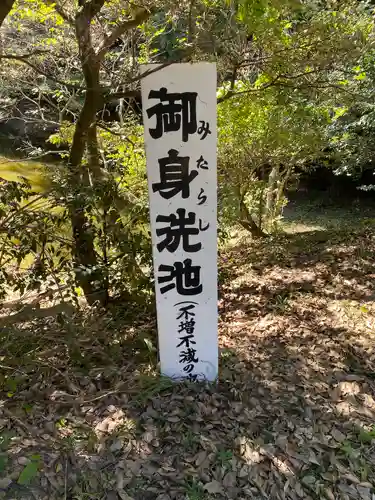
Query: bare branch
[
  {"x": 118, "y": 134},
  {"x": 60, "y": 11},
  {"x": 299, "y": 75},
  {"x": 71, "y": 86},
  {"x": 24, "y": 56},
  {"x": 230, "y": 93},
  {"x": 318, "y": 84},
  {"x": 146, "y": 73},
  {"x": 127, "y": 94},
  {"x": 321, "y": 84},
  {"x": 122, "y": 28},
  {"x": 42, "y": 155},
  {"x": 42, "y": 72},
  {"x": 25, "y": 119}
]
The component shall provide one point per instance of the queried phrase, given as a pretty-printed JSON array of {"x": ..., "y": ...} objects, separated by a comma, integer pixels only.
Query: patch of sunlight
[
  {"x": 34, "y": 172},
  {"x": 297, "y": 227},
  {"x": 237, "y": 236},
  {"x": 253, "y": 454},
  {"x": 248, "y": 451},
  {"x": 117, "y": 421},
  {"x": 362, "y": 313}
]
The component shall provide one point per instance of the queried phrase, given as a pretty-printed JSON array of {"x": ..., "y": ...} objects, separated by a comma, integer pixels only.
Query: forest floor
[{"x": 85, "y": 416}]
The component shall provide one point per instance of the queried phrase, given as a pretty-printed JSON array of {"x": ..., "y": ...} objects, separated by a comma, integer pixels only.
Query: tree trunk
[
  {"x": 271, "y": 196},
  {"x": 282, "y": 183},
  {"x": 271, "y": 190},
  {"x": 248, "y": 222},
  {"x": 89, "y": 276},
  {"x": 5, "y": 7}
]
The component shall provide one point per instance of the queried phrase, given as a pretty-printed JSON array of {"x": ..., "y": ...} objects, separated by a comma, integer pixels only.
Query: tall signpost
[{"x": 179, "y": 113}]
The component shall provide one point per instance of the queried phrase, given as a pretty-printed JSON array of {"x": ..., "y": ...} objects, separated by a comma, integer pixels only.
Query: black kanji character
[
  {"x": 201, "y": 197},
  {"x": 171, "y": 115},
  {"x": 202, "y": 163},
  {"x": 178, "y": 229},
  {"x": 204, "y": 129},
  {"x": 185, "y": 311},
  {"x": 187, "y": 340},
  {"x": 188, "y": 356},
  {"x": 174, "y": 176},
  {"x": 192, "y": 377},
  {"x": 188, "y": 368},
  {"x": 187, "y": 326},
  {"x": 187, "y": 278}
]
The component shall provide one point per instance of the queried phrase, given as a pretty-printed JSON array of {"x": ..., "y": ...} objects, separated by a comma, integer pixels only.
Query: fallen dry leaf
[
  {"x": 214, "y": 487},
  {"x": 229, "y": 479},
  {"x": 295, "y": 388},
  {"x": 329, "y": 494},
  {"x": 337, "y": 435},
  {"x": 351, "y": 478},
  {"x": 123, "y": 495}
]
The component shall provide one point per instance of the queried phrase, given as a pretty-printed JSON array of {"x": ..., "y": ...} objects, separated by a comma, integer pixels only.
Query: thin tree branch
[
  {"x": 131, "y": 92},
  {"x": 191, "y": 22},
  {"x": 12, "y": 215},
  {"x": 230, "y": 93},
  {"x": 72, "y": 86},
  {"x": 60, "y": 11},
  {"x": 122, "y": 28},
  {"x": 42, "y": 72},
  {"x": 319, "y": 85},
  {"x": 315, "y": 85},
  {"x": 24, "y": 56},
  {"x": 42, "y": 155},
  {"x": 232, "y": 84},
  {"x": 127, "y": 94},
  {"x": 300, "y": 75},
  {"x": 118, "y": 134},
  {"x": 146, "y": 73}
]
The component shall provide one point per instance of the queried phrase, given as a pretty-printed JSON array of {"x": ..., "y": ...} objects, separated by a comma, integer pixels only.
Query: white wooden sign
[{"x": 179, "y": 112}]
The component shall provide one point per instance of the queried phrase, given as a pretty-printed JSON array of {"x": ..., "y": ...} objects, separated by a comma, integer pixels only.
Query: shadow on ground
[{"x": 292, "y": 416}]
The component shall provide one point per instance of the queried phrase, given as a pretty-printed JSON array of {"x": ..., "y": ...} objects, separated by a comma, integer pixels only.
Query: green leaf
[
  {"x": 365, "y": 437},
  {"x": 361, "y": 76},
  {"x": 30, "y": 471},
  {"x": 149, "y": 344},
  {"x": 3, "y": 463},
  {"x": 5, "y": 439}
]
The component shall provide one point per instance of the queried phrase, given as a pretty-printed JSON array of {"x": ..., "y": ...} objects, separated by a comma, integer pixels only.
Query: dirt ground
[{"x": 84, "y": 414}]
